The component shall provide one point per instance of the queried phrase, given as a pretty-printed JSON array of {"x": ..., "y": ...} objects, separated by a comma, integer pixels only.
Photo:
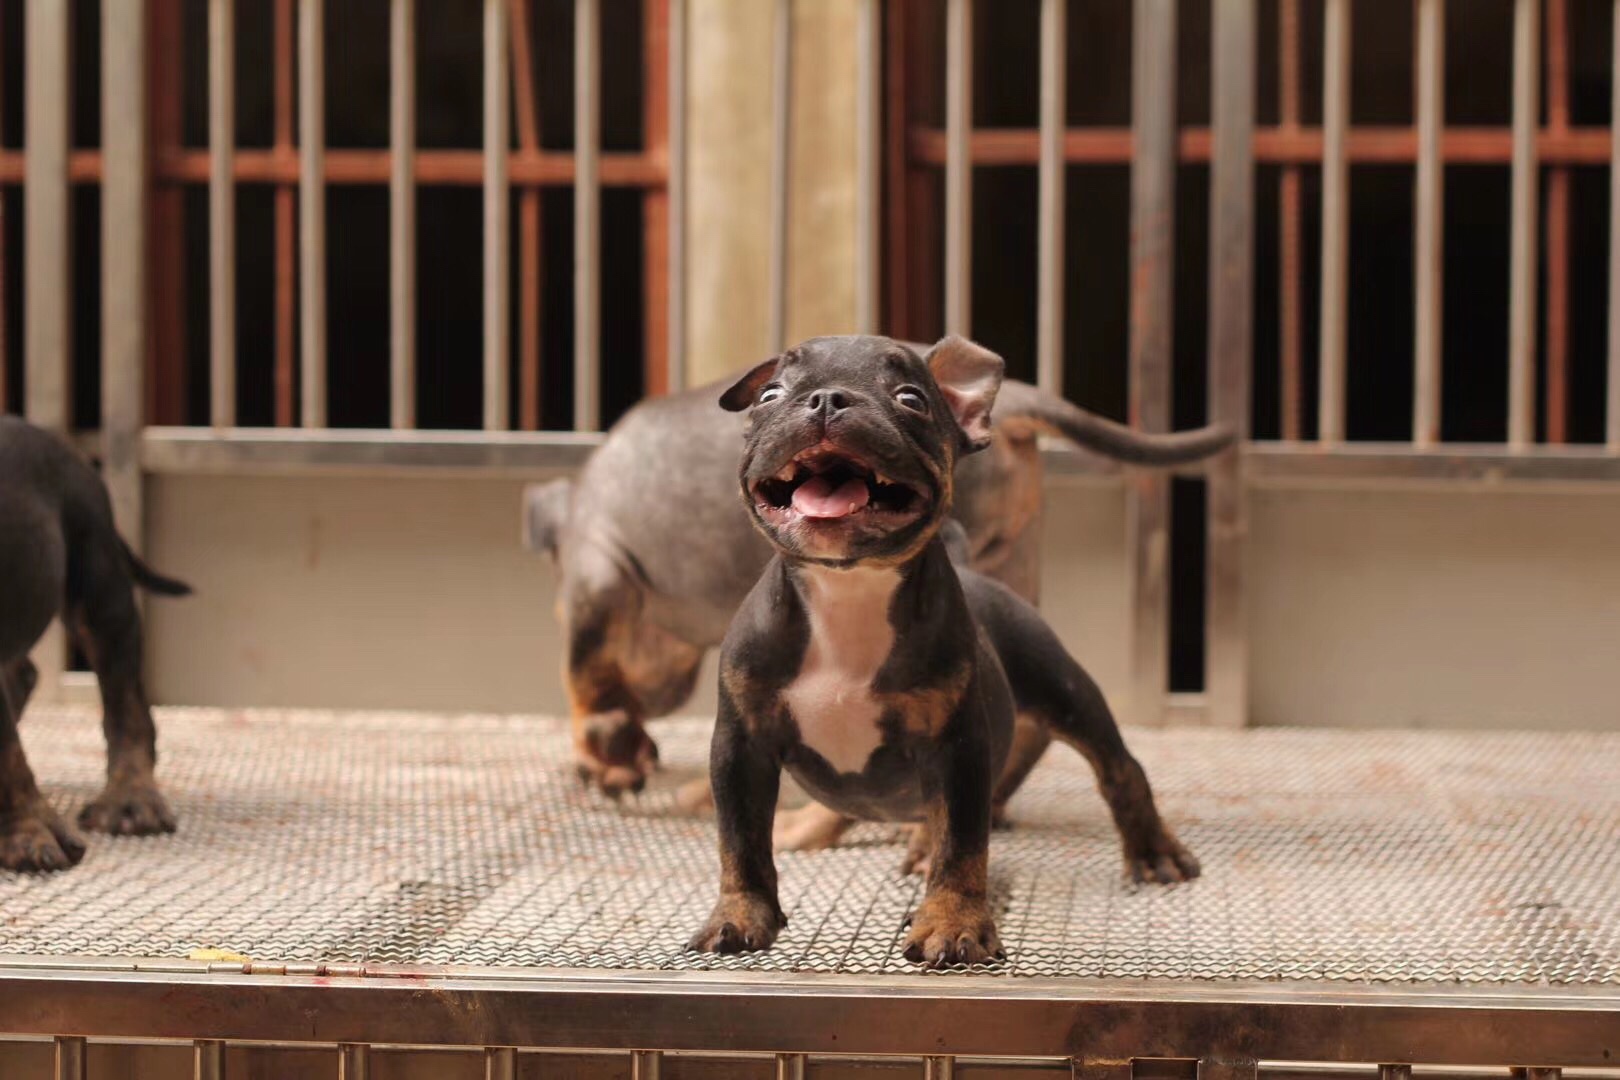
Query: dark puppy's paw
[
  {"x": 743, "y": 922},
  {"x": 133, "y": 808},
  {"x": 38, "y": 839},
  {"x": 614, "y": 753},
  {"x": 1164, "y": 861},
  {"x": 948, "y": 930}
]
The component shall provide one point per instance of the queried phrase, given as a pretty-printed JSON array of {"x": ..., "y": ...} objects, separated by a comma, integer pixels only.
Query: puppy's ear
[
  {"x": 745, "y": 391},
  {"x": 969, "y": 375}
]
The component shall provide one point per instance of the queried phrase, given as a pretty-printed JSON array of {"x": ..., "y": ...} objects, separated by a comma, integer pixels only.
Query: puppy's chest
[{"x": 831, "y": 699}]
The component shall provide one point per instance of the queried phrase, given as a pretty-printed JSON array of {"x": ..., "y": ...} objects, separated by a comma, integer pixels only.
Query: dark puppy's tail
[
  {"x": 1055, "y": 416},
  {"x": 150, "y": 579}
]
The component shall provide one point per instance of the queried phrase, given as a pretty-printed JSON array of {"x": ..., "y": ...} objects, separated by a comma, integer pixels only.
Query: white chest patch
[{"x": 850, "y": 637}]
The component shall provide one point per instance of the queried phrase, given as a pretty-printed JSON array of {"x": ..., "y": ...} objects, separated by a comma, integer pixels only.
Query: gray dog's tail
[
  {"x": 1059, "y": 417},
  {"x": 545, "y": 513},
  {"x": 149, "y": 579}
]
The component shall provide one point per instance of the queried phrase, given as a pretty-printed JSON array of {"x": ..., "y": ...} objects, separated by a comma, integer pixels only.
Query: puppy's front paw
[
  {"x": 1161, "y": 861},
  {"x": 742, "y": 922},
  {"x": 614, "y": 753},
  {"x": 949, "y": 929},
  {"x": 37, "y": 839},
  {"x": 129, "y": 808}
]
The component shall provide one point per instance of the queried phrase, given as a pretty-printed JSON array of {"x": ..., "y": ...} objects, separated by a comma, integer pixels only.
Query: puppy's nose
[{"x": 828, "y": 402}]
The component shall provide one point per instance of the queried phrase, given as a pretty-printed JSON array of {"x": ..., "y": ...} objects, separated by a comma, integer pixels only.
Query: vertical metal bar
[
  {"x": 1335, "y": 217},
  {"x": 497, "y": 221},
  {"x": 790, "y": 1066},
  {"x": 1613, "y": 417},
  {"x": 70, "y": 1054},
  {"x": 528, "y": 293},
  {"x": 312, "y": 207},
  {"x": 47, "y": 279},
  {"x": 645, "y": 1064},
  {"x": 675, "y": 327},
  {"x": 1291, "y": 346},
  {"x": 5, "y": 368},
  {"x": 286, "y": 222},
  {"x": 655, "y": 16},
  {"x": 1227, "y": 1069},
  {"x": 1231, "y": 350},
  {"x": 1050, "y": 222},
  {"x": 500, "y": 1063},
  {"x": 939, "y": 1067},
  {"x": 123, "y": 260},
  {"x": 781, "y": 162},
  {"x": 222, "y": 212},
  {"x": 1153, "y": 179},
  {"x": 166, "y": 235},
  {"x": 1558, "y": 208},
  {"x": 402, "y": 214},
  {"x": 1394, "y": 1072},
  {"x": 1429, "y": 214},
  {"x": 208, "y": 1059},
  {"x": 897, "y": 161},
  {"x": 868, "y": 164},
  {"x": 1522, "y": 252},
  {"x": 354, "y": 1061},
  {"x": 959, "y": 168},
  {"x": 587, "y": 216}
]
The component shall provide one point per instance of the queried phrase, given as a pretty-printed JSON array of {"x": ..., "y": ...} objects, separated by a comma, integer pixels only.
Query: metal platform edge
[{"x": 737, "y": 1012}]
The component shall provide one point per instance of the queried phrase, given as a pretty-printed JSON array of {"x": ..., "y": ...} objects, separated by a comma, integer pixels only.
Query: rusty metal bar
[
  {"x": 1219, "y": 1068},
  {"x": 1231, "y": 352},
  {"x": 286, "y": 214},
  {"x": 1291, "y": 346},
  {"x": 500, "y": 1063},
  {"x": 587, "y": 216},
  {"x": 791, "y": 1066},
  {"x": 312, "y": 209},
  {"x": 1153, "y": 177},
  {"x": 47, "y": 276},
  {"x": 354, "y": 1061},
  {"x": 655, "y": 111},
  {"x": 1335, "y": 218},
  {"x": 868, "y": 164},
  {"x": 1613, "y": 417},
  {"x": 1556, "y": 410},
  {"x": 402, "y": 214},
  {"x": 645, "y": 1064},
  {"x": 70, "y": 1051},
  {"x": 781, "y": 163},
  {"x": 528, "y": 131},
  {"x": 1522, "y": 253},
  {"x": 497, "y": 220},
  {"x": 222, "y": 213},
  {"x": 1394, "y": 1072},
  {"x": 939, "y": 1067},
  {"x": 958, "y": 168},
  {"x": 124, "y": 319},
  {"x": 675, "y": 326},
  {"x": 1050, "y": 220},
  {"x": 1429, "y": 221},
  {"x": 208, "y": 1059}
]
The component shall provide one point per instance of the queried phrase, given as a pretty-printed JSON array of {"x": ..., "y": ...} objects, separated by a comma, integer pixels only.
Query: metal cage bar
[
  {"x": 781, "y": 165},
  {"x": 1523, "y": 225},
  {"x": 402, "y": 214},
  {"x": 1335, "y": 219},
  {"x": 354, "y": 1061},
  {"x": 675, "y": 324},
  {"x": 646, "y": 1065},
  {"x": 790, "y": 1066},
  {"x": 497, "y": 219},
  {"x": 47, "y": 253},
  {"x": 208, "y": 1059},
  {"x": 1153, "y": 177},
  {"x": 312, "y": 209},
  {"x": 286, "y": 211},
  {"x": 1556, "y": 319},
  {"x": 69, "y": 1054},
  {"x": 221, "y": 213},
  {"x": 1290, "y": 260},
  {"x": 958, "y": 168},
  {"x": 1613, "y": 418},
  {"x": 868, "y": 164},
  {"x": 1429, "y": 209},
  {"x": 587, "y": 215},
  {"x": 529, "y": 250},
  {"x": 1050, "y": 239}
]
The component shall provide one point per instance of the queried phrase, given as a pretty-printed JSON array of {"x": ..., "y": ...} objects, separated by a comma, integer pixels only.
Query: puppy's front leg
[
  {"x": 953, "y": 924},
  {"x": 746, "y": 775}
]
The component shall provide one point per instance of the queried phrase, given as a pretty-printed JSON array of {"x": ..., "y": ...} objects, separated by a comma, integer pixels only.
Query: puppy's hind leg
[
  {"x": 32, "y": 835},
  {"x": 18, "y": 679},
  {"x": 104, "y": 618}
]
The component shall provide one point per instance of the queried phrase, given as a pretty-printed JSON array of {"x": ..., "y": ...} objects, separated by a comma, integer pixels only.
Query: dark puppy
[
  {"x": 867, "y": 664},
  {"x": 60, "y": 554}
]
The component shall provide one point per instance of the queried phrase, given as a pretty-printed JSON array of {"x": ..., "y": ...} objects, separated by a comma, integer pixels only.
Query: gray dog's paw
[
  {"x": 37, "y": 839},
  {"x": 740, "y": 923},
  {"x": 128, "y": 809}
]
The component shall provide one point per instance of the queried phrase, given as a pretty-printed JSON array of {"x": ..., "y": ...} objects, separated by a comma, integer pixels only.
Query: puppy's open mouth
[{"x": 825, "y": 484}]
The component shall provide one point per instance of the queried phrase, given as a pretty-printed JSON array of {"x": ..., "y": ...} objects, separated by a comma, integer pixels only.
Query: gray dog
[
  {"x": 60, "y": 554},
  {"x": 656, "y": 553}
]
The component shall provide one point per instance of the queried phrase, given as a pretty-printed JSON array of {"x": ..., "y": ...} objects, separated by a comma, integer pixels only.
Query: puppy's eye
[
  {"x": 770, "y": 394},
  {"x": 911, "y": 399}
]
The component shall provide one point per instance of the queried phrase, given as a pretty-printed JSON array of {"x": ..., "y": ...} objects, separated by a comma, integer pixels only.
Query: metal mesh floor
[{"x": 1390, "y": 857}]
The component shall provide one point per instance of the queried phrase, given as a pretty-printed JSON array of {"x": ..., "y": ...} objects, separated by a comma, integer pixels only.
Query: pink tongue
[{"x": 817, "y": 498}]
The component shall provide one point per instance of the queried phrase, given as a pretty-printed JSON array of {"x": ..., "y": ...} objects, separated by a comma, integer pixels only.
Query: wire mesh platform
[{"x": 1378, "y": 857}]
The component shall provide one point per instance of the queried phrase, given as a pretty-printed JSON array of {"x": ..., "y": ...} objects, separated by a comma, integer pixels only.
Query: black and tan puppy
[
  {"x": 867, "y": 664},
  {"x": 60, "y": 554}
]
